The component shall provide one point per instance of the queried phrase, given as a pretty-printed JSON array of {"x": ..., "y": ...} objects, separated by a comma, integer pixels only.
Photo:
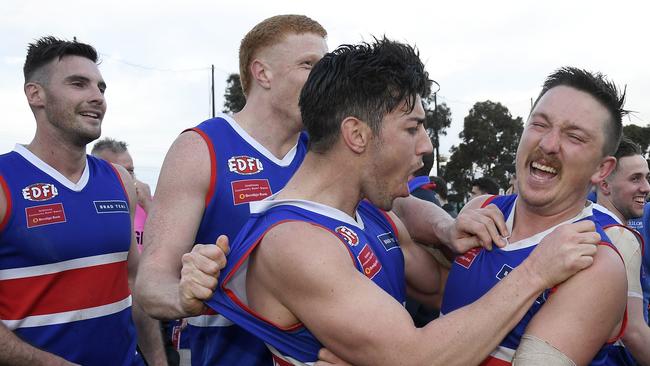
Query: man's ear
[
  {"x": 261, "y": 73},
  {"x": 356, "y": 134},
  {"x": 35, "y": 94},
  {"x": 603, "y": 186},
  {"x": 606, "y": 167}
]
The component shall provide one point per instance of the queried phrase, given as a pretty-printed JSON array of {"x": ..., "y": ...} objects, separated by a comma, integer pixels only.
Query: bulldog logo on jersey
[
  {"x": 40, "y": 192},
  {"x": 348, "y": 235},
  {"x": 245, "y": 165}
]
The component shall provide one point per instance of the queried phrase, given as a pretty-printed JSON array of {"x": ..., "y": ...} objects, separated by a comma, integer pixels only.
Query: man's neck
[
  {"x": 321, "y": 179},
  {"x": 605, "y": 202},
  {"x": 63, "y": 156},
  {"x": 277, "y": 134}
]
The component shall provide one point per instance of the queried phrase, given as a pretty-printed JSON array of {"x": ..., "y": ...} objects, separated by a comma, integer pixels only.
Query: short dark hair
[
  {"x": 626, "y": 148},
  {"x": 46, "y": 49},
  {"x": 487, "y": 185},
  {"x": 603, "y": 90},
  {"x": 367, "y": 81},
  {"x": 107, "y": 143}
]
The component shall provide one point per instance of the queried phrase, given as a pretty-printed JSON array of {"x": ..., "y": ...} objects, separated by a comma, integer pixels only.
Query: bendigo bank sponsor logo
[
  {"x": 245, "y": 165},
  {"x": 467, "y": 259},
  {"x": 348, "y": 235},
  {"x": 40, "y": 192},
  {"x": 369, "y": 261}
]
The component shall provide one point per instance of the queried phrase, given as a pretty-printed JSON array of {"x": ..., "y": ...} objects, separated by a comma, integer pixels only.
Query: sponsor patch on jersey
[
  {"x": 244, "y": 191},
  {"x": 369, "y": 262},
  {"x": 44, "y": 215},
  {"x": 504, "y": 271},
  {"x": 388, "y": 241},
  {"x": 245, "y": 165},
  {"x": 467, "y": 259},
  {"x": 348, "y": 235},
  {"x": 40, "y": 192},
  {"x": 111, "y": 206}
]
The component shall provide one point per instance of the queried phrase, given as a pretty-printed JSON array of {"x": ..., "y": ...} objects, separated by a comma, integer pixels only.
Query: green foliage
[
  {"x": 234, "y": 96},
  {"x": 640, "y": 135},
  {"x": 489, "y": 144}
]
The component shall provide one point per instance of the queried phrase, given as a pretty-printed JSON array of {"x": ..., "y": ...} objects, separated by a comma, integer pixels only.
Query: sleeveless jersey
[
  {"x": 63, "y": 260},
  {"x": 477, "y": 271},
  {"x": 370, "y": 240},
  {"x": 242, "y": 171}
]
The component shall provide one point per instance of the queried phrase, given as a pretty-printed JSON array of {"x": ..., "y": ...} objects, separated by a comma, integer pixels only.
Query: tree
[
  {"x": 640, "y": 135},
  {"x": 489, "y": 144},
  {"x": 438, "y": 119},
  {"x": 234, "y": 97}
]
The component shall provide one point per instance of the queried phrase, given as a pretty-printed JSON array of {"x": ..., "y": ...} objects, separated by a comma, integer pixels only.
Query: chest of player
[{"x": 51, "y": 223}]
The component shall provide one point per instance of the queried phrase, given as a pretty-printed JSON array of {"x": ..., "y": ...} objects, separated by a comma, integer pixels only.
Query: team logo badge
[
  {"x": 40, "y": 192},
  {"x": 245, "y": 165},
  {"x": 348, "y": 235}
]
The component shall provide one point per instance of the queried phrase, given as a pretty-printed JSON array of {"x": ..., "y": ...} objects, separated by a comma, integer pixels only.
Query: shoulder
[{"x": 299, "y": 242}]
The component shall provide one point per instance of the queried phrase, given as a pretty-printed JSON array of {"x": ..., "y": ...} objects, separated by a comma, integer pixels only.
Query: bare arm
[
  {"x": 16, "y": 352},
  {"x": 143, "y": 192},
  {"x": 425, "y": 277},
  {"x": 586, "y": 310},
  {"x": 148, "y": 329},
  {"x": 303, "y": 275},
  {"x": 172, "y": 225},
  {"x": 431, "y": 225}
]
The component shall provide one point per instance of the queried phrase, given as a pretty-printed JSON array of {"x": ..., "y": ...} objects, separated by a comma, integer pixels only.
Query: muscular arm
[
  {"x": 425, "y": 277},
  {"x": 148, "y": 329},
  {"x": 13, "y": 350},
  {"x": 290, "y": 277},
  {"x": 586, "y": 310},
  {"x": 172, "y": 225}
]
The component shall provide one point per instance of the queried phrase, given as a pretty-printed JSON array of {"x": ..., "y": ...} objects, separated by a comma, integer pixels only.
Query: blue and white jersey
[
  {"x": 477, "y": 271},
  {"x": 370, "y": 240},
  {"x": 242, "y": 171},
  {"x": 63, "y": 260}
]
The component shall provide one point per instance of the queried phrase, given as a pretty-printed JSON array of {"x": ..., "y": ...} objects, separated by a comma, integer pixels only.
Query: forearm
[
  {"x": 149, "y": 337},
  {"x": 637, "y": 341},
  {"x": 426, "y": 223},
  {"x": 158, "y": 295},
  {"x": 16, "y": 352}
]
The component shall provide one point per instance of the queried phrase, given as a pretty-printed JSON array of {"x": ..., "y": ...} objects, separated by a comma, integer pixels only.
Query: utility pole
[
  {"x": 435, "y": 128},
  {"x": 212, "y": 88}
]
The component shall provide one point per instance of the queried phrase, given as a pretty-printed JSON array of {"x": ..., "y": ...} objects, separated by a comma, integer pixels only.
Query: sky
[{"x": 156, "y": 55}]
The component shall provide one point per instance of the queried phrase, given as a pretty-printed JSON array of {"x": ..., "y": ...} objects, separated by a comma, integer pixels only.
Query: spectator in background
[
  {"x": 116, "y": 152},
  {"x": 484, "y": 185},
  {"x": 421, "y": 186},
  {"x": 441, "y": 192},
  {"x": 512, "y": 189}
]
